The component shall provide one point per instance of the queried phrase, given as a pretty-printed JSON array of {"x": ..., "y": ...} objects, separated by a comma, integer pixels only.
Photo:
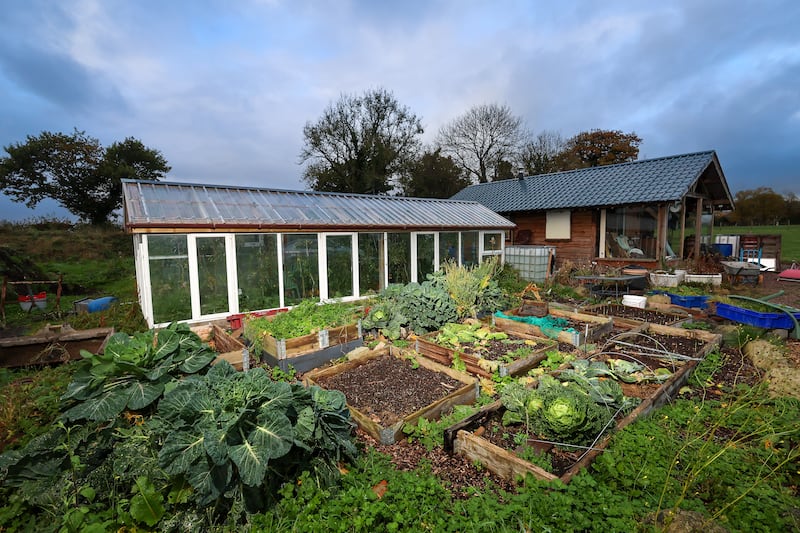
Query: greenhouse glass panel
[
  {"x": 448, "y": 247},
  {"x": 469, "y": 248},
  {"x": 169, "y": 277},
  {"x": 300, "y": 267},
  {"x": 339, "y": 251},
  {"x": 399, "y": 257},
  {"x": 212, "y": 275},
  {"x": 426, "y": 259},
  {"x": 257, "y": 271},
  {"x": 492, "y": 242},
  {"x": 370, "y": 262}
]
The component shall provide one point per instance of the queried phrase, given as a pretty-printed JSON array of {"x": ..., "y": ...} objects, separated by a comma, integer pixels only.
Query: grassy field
[
  {"x": 93, "y": 262},
  {"x": 790, "y": 237}
]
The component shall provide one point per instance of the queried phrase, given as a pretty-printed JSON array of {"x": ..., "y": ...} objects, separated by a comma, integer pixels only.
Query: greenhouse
[{"x": 204, "y": 252}]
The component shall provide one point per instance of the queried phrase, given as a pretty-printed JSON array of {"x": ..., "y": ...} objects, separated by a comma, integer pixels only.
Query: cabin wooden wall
[{"x": 581, "y": 248}]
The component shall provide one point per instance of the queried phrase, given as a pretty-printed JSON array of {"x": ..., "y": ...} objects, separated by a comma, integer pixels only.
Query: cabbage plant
[{"x": 240, "y": 431}]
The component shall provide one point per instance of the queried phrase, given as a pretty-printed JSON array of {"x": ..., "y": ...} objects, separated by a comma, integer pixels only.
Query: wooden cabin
[{"x": 613, "y": 214}]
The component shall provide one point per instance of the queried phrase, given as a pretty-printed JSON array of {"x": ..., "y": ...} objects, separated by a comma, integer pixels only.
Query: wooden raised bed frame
[
  {"x": 599, "y": 326},
  {"x": 230, "y": 349},
  {"x": 674, "y": 318},
  {"x": 426, "y": 346},
  {"x": 460, "y": 439},
  {"x": 308, "y": 351},
  {"x": 52, "y": 344},
  {"x": 389, "y": 435}
]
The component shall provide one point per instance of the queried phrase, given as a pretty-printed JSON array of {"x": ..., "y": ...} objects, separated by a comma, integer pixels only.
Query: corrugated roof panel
[{"x": 150, "y": 204}]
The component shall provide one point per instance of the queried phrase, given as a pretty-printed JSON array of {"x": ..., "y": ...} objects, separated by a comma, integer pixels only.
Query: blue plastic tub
[
  {"x": 100, "y": 304},
  {"x": 754, "y": 318},
  {"x": 701, "y": 301}
]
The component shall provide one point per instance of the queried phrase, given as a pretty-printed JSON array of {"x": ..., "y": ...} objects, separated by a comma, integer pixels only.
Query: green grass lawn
[{"x": 790, "y": 237}]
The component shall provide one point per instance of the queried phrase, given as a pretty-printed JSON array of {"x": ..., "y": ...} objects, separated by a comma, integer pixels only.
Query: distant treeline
[{"x": 762, "y": 207}]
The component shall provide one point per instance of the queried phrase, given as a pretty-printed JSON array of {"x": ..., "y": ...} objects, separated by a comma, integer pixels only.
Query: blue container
[
  {"x": 701, "y": 302},
  {"x": 100, "y": 304},
  {"x": 754, "y": 318},
  {"x": 726, "y": 250}
]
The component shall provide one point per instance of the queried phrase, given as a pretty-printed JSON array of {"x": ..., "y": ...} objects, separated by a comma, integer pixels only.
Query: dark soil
[
  {"x": 505, "y": 437},
  {"x": 641, "y": 344},
  {"x": 497, "y": 350},
  {"x": 635, "y": 313},
  {"x": 387, "y": 389}
]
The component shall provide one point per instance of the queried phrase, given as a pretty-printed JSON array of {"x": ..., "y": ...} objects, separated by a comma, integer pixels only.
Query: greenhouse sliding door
[
  {"x": 426, "y": 255},
  {"x": 339, "y": 256},
  {"x": 212, "y": 275},
  {"x": 370, "y": 263},
  {"x": 300, "y": 267},
  {"x": 399, "y": 257},
  {"x": 257, "y": 272},
  {"x": 169, "y": 278}
]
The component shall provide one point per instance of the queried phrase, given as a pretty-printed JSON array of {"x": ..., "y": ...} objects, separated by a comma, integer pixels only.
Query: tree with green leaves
[
  {"x": 361, "y": 144},
  {"x": 483, "y": 139},
  {"x": 760, "y": 206},
  {"x": 594, "y": 148},
  {"x": 77, "y": 172},
  {"x": 433, "y": 175}
]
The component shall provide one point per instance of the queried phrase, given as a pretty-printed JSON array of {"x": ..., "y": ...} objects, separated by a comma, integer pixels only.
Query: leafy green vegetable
[
  {"x": 230, "y": 430},
  {"x": 454, "y": 335},
  {"x": 133, "y": 372},
  {"x": 563, "y": 413},
  {"x": 306, "y": 317},
  {"x": 420, "y": 307}
]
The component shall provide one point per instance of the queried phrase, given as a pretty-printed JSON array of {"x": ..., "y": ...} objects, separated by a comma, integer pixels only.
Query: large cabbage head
[{"x": 566, "y": 414}]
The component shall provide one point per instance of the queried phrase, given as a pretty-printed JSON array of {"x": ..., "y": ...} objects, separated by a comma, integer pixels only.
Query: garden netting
[{"x": 549, "y": 325}]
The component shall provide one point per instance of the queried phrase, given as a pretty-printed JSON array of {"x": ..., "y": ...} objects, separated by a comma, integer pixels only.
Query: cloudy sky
[{"x": 223, "y": 88}]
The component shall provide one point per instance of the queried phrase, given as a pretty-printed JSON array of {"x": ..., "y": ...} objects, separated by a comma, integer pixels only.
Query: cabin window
[
  {"x": 558, "y": 225},
  {"x": 630, "y": 232}
]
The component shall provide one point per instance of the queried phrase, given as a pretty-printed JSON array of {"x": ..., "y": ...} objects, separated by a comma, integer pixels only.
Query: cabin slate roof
[
  {"x": 658, "y": 180},
  {"x": 158, "y": 205}
]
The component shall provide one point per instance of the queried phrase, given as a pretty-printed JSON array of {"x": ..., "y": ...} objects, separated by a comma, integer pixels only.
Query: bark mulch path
[{"x": 387, "y": 389}]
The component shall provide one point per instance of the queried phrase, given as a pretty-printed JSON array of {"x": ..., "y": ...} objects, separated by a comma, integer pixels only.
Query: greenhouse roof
[{"x": 153, "y": 206}]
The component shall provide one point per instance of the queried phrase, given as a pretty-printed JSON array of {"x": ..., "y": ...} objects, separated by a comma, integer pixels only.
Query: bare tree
[
  {"x": 540, "y": 154},
  {"x": 481, "y": 139}
]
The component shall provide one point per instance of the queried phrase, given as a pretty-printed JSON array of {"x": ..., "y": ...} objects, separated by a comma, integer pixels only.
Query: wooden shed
[{"x": 613, "y": 214}]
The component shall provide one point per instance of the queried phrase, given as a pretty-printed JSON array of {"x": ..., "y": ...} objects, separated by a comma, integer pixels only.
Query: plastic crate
[
  {"x": 700, "y": 302},
  {"x": 754, "y": 318}
]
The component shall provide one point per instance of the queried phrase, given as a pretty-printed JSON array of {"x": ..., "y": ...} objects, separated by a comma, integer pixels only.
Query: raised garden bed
[
  {"x": 388, "y": 389},
  {"x": 511, "y": 356},
  {"x": 304, "y": 351},
  {"x": 635, "y": 316},
  {"x": 581, "y": 328},
  {"x": 52, "y": 344},
  {"x": 229, "y": 348},
  {"x": 480, "y": 437}
]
